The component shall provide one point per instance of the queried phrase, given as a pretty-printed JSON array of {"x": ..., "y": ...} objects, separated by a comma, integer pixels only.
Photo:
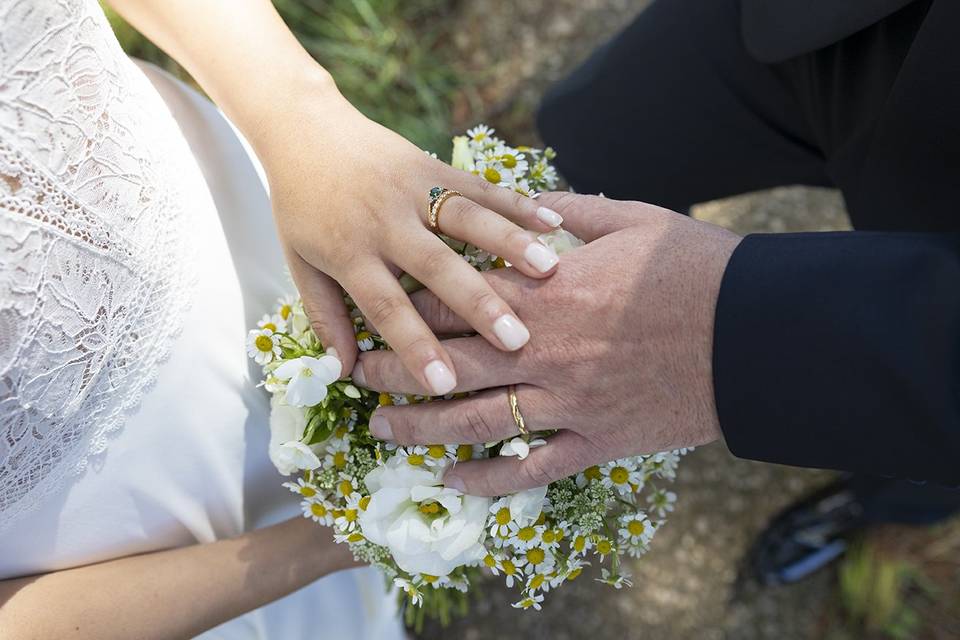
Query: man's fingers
[
  {"x": 564, "y": 454},
  {"x": 323, "y": 303},
  {"x": 592, "y": 217},
  {"x": 380, "y": 298},
  {"x": 479, "y": 365},
  {"x": 484, "y": 417},
  {"x": 509, "y": 283}
]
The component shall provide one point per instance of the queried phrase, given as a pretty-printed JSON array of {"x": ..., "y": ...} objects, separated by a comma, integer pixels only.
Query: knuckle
[
  {"x": 384, "y": 308},
  {"x": 475, "y": 425},
  {"x": 435, "y": 261},
  {"x": 485, "y": 303},
  {"x": 536, "y": 472}
]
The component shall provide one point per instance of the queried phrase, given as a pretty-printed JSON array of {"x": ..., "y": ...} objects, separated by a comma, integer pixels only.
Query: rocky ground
[{"x": 686, "y": 587}]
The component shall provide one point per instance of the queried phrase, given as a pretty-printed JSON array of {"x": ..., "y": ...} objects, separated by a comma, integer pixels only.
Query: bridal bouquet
[{"x": 388, "y": 502}]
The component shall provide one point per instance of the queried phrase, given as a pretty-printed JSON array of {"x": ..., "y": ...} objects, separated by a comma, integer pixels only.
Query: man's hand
[{"x": 619, "y": 361}]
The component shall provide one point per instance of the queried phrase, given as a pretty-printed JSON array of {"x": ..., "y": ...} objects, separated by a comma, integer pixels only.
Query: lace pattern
[{"x": 94, "y": 242}]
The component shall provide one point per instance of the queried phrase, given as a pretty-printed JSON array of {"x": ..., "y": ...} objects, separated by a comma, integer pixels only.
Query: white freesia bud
[
  {"x": 287, "y": 424},
  {"x": 525, "y": 507},
  {"x": 428, "y": 528},
  {"x": 520, "y": 447},
  {"x": 560, "y": 240},
  {"x": 462, "y": 154},
  {"x": 308, "y": 378},
  {"x": 351, "y": 391}
]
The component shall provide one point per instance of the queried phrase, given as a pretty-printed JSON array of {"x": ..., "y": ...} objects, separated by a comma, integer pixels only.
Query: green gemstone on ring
[{"x": 436, "y": 192}]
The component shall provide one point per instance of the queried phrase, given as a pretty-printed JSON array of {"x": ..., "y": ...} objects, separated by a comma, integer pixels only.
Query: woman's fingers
[
  {"x": 564, "y": 454},
  {"x": 464, "y": 290},
  {"x": 380, "y": 297},
  {"x": 524, "y": 211},
  {"x": 465, "y": 220},
  {"x": 484, "y": 417},
  {"x": 479, "y": 366},
  {"x": 323, "y": 303}
]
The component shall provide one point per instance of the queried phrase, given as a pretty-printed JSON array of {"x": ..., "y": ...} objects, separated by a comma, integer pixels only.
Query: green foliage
[
  {"x": 872, "y": 590},
  {"x": 386, "y": 56}
]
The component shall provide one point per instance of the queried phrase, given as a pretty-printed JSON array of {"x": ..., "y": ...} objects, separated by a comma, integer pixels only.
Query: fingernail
[
  {"x": 333, "y": 352},
  {"x": 541, "y": 257},
  {"x": 549, "y": 216},
  {"x": 454, "y": 483},
  {"x": 357, "y": 374},
  {"x": 439, "y": 377},
  {"x": 511, "y": 332},
  {"x": 380, "y": 427}
]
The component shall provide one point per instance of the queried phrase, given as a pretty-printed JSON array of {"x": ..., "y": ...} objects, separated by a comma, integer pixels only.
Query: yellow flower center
[
  {"x": 535, "y": 556},
  {"x": 490, "y": 561},
  {"x": 549, "y": 536},
  {"x": 604, "y": 547},
  {"x": 537, "y": 581},
  {"x": 464, "y": 453},
  {"x": 269, "y": 325},
  {"x": 619, "y": 475},
  {"x": 318, "y": 510},
  {"x": 509, "y": 161},
  {"x": 492, "y": 175},
  {"x": 503, "y": 516},
  {"x": 429, "y": 579},
  {"x": 346, "y": 488},
  {"x": 285, "y": 311},
  {"x": 430, "y": 508},
  {"x": 354, "y": 537},
  {"x": 341, "y": 431},
  {"x": 579, "y": 543},
  {"x": 350, "y": 515},
  {"x": 385, "y": 400},
  {"x": 308, "y": 492},
  {"x": 499, "y": 263},
  {"x": 636, "y": 527},
  {"x": 339, "y": 459},
  {"x": 527, "y": 534},
  {"x": 363, "y": 335},
  {"x": 508, "y": 567},
  {"x": 573, "y": 574},
  {"x": 364, "y": 502},
  {"x": 436, "y": 451},
  {"x": 264, "y": 343},
  {"x": 592, "y": 473},
  {"x": 415, "y": 459}
]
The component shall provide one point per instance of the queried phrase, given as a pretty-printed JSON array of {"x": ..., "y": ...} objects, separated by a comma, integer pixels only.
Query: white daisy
[
  {"x": 520, "y": 447},
  {"x": 318, "y": 510},
  {"x": 531, "y": 601},
  {"x": 621, "y": 475},
  {"x": 263, "y": 345}
]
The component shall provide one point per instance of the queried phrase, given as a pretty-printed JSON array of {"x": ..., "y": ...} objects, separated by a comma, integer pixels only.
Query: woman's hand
[{"x": 351, "y": 202}]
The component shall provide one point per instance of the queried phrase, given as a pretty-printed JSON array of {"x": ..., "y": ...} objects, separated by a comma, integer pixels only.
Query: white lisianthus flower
[
  {"x": 308, "y": 378},
  {"x": 428, "y": 528},
  {"x": 298, "y": 321},
  {"x": 287, "y": 424}
]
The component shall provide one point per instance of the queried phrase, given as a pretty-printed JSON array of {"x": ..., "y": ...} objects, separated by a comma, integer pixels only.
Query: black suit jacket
[{"x": 843, "y": 350}]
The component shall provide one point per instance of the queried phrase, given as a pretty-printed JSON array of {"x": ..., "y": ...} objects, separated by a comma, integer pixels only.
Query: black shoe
[{"x": 807, "y": 536}]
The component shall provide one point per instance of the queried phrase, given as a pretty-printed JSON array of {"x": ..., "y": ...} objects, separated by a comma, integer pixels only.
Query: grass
[{"x": 387, "y": 56}]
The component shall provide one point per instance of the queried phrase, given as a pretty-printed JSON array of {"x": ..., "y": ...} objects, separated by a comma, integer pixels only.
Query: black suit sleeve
[{"x": 842, "y": 351}]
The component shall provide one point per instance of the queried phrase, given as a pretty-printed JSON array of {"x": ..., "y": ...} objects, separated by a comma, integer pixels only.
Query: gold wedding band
[
  {"x": 515, "y": 410},
  {"x": 438, "y": 195}
]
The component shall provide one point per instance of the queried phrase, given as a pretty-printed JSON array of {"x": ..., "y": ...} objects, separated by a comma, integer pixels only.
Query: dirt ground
[{"x": 684, "y": 588}]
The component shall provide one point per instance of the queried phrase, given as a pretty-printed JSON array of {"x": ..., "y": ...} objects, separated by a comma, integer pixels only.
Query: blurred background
[{"x": 431, "y": 68}]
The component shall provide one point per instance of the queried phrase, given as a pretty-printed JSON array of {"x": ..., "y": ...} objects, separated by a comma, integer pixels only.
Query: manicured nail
[
  {"x": 541, "y": 257},
  {"x": 333, "y": 352},
  {"x": 380, "y": 427},
  {"x": 549, "y": 216},
  {"x": 357, "y": 374},
  {"x": 454, "y": 483},
  {"x": 511, "y": 332},
  {"x": 439, "y": 377}
]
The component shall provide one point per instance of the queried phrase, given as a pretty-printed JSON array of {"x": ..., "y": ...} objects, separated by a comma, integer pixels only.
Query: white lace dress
[{"x": 136, "y": 248}]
